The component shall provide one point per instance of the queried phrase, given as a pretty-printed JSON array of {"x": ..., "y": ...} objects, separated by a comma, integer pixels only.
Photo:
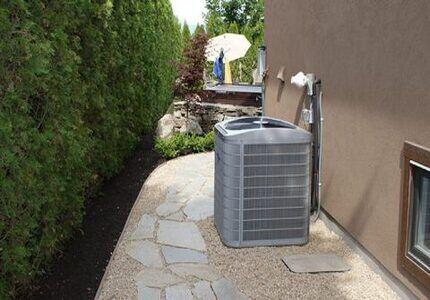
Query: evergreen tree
[
  {"x": 199, "y": 29},
  {"x": 79, "y": 83},
  {"x": 186, "y": 35}
]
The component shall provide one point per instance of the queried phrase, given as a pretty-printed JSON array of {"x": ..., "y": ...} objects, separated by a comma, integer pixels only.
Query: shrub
[
  {"x": 79, "y": 82},
  {"x": 190, "y": 79},
  {"x": 182, "y": 144}
]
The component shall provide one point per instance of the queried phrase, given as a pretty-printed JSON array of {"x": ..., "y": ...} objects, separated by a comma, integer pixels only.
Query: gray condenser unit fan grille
[{"x": 262, "y": 182}]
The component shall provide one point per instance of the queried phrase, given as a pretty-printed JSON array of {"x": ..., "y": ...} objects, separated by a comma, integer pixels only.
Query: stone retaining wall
[
  {"x": 200, "y": 118},
  {"x": 208, "y": 114}
]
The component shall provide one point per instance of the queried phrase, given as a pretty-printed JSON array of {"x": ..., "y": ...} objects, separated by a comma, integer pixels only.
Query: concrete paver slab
[{"x": 315, "y": 263}]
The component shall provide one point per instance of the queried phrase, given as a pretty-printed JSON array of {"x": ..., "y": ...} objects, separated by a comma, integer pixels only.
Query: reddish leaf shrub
[{"x": 190, "y": 80}]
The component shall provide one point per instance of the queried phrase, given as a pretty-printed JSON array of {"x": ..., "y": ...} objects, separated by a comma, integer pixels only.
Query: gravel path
[
  {"x": 170, "y": 249},
  {"x": 260, "y": 272}
]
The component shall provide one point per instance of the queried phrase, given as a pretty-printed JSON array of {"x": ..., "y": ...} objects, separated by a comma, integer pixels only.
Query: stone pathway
[
  {"x": 167, "y": 244},
  {"x": 170, "y": 249}
]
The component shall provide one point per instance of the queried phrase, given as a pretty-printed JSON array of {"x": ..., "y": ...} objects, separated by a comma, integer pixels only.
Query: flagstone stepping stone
[
  {"x": 172, "y": 194},
  {"x": 168, "y": 208},
  {"x": 145, "y": 293},
  {"x": 199, "y": 208},
  {"x": 157, "y": 278},
  {"x": 224, "y": 289},
  {"x": 181, "y": 255},
  {"x": 192, "y": 188},
  {"x": 178, "y": 292},
  {"x": 145, "y": 228},
  {"x": 177, "y": 216},
  {"x": 180, "y": 234},
  {"x": 145, "y": 252},
  {"x": 200, "y": 271},
  {"x": 202, "y": 290},
  {"x": 208, "y": 188},
  {"x": 174, "y": 188}
]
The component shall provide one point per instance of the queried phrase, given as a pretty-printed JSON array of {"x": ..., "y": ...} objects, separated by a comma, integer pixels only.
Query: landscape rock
[
  {"x": 189, "y": 126},
  {"x": 200, "y": 117},
  {"x": 165, "y": 126},
  {"x": 208, "y": 114},
  {"x": 177, "y": 114}
]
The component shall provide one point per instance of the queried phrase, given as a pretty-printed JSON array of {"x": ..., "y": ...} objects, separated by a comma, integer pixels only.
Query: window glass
[{"x": 419, "y": 244}]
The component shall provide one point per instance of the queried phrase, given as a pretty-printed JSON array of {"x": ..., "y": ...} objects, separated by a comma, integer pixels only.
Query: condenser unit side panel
[{"x": 227, "y": 189}]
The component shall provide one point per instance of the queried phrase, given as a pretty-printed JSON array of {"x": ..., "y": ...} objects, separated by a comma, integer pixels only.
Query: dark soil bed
[{"x": 77, "y": 272}]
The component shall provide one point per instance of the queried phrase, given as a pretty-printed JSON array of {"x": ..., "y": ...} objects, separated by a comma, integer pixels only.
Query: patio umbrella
[{"x": 234, "y": 46}]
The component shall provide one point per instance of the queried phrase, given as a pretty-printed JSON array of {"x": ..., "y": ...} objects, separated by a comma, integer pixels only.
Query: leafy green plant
[
  {"x": 79, "y": 82},
  {"x": 182, "y": 144}
]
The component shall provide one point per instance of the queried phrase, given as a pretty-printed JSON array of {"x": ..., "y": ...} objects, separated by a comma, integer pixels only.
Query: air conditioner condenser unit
[{"x": 262, "y": 182}]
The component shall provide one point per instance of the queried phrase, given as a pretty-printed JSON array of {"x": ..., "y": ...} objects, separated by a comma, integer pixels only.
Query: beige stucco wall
[{"x": 374, "y": 60}]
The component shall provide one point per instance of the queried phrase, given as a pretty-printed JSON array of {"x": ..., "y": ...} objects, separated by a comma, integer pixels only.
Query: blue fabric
[{"x": 217, "y": 69}]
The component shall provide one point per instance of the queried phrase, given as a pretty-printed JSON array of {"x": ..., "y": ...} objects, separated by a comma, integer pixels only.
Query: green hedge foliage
[
  {"x": 79, "y": 82},
  {"x": 182, "y": 144}
]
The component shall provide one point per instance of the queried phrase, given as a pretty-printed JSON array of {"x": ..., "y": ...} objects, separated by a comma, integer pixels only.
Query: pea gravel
[
  {"x": 257, "y": 272},
  {"x": 260, "y": 273}
]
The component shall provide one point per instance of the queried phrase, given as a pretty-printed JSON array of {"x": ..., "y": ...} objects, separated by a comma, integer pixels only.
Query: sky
[{"x": 190, "y": 11}]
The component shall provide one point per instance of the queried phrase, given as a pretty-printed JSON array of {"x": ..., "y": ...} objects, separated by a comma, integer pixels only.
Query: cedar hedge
[{"x": 79, "y": 82}]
